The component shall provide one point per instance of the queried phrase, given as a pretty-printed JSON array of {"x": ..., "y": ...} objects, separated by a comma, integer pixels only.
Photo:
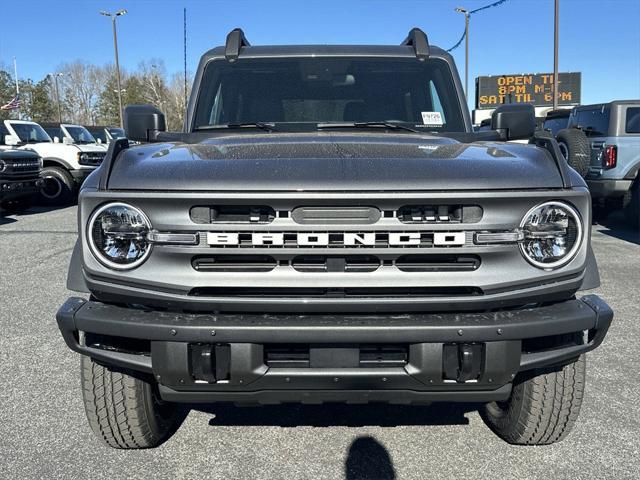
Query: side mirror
[
  {"x": 56, "y": 139},
  {"x": 99, "y": 141},
  {"x": 11, "y": 140},
  {"x": 67, "y": 141},
  {"x": 514, "y": 121},
  {"x": 142, "y": 123}
]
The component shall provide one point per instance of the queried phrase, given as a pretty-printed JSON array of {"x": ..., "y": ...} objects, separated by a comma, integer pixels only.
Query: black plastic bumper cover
[{"x": 421, "y": 380}]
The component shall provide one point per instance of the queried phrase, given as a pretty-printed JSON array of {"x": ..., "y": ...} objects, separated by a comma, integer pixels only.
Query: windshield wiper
[
  {"x": 268, "y": 127},
  {"x": 389, "y": 125}
]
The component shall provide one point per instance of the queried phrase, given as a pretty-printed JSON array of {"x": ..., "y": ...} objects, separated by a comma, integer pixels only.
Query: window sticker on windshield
[{"x": 432, "y": 119}]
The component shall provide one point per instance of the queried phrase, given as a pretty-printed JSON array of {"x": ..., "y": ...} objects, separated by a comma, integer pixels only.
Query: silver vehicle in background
[{"x": 613, "y": 130}]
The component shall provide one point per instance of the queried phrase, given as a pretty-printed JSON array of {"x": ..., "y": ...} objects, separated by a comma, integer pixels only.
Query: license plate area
[{"x": 335, "y": 356}]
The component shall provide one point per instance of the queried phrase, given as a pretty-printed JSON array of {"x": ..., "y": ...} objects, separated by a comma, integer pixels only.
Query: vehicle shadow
[
  {"x": 368, "y": 459},
  {"x": 5, "y": 219},
  {"x": 343, "y": 415},
  {"x": 9, "y": 217},
  {"x": 617, "y": 226}
]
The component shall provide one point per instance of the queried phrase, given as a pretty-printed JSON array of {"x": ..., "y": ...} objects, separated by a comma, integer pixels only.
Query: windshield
[
  {"x": 99, "y": 133},
  {"x": 116, "y": 132},
  {"x": 54, "y": 132},
  {"x": 30, "y": 132},
  {"x": 330, "y": 90},
  {"x": 80, "y": 134}
]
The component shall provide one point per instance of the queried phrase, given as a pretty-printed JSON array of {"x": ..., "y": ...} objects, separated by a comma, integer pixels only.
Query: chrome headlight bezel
[
  {"x": 570, "y": 255},
  {"x": 98, "y": 255}
]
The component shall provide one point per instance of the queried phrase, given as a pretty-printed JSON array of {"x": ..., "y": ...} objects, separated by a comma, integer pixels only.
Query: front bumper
[
  {"x": 164, "y": 346},
  {"x": 16, "y": 188}
]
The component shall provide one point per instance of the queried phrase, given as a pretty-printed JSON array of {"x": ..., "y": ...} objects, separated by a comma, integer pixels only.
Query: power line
[{"x": 471, "y": 12}]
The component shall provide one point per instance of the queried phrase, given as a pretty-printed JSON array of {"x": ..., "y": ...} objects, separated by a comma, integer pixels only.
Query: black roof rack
[
  {"x": 418, "y": 40},
  {"x": 235, "y": 41}
]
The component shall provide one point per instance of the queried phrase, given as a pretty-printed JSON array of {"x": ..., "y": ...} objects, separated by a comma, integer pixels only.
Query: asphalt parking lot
[{"x": 43, "y": 432}]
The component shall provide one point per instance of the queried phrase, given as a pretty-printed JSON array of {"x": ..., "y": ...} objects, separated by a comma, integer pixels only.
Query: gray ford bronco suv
[{"x": 328, "y": 228}]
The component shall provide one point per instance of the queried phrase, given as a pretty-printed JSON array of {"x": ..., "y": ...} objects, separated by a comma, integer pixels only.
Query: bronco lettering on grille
[{"x": 346, "y": 239}]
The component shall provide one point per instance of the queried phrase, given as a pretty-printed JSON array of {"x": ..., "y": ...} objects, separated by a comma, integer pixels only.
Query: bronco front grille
[{"x": 22, "y": 165}]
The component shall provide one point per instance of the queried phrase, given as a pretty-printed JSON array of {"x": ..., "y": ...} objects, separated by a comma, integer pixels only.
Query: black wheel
[
  {"x": 17, "y": 205},
  {"x": 58, "y": 186},
  {"x": 125, "y": 411},
  {"x": 632, "y": 207},
  {"x": 576, "y": 149},
  {"x": 542, "y": 408}
]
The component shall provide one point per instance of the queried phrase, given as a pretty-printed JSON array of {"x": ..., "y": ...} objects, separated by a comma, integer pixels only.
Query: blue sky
[{"x": 600, "y": 38}]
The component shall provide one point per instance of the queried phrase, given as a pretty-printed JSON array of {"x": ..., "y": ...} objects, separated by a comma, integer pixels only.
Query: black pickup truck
[
  {"x": 328, "y": 228},
  {"x": 20, "y": 179}
]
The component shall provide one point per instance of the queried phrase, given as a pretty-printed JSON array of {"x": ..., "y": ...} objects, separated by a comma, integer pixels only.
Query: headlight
[
  {"x": 3, "y": 165},
  {"x": 552, "y": 235},
  {"x": 90, "y": 158},
  {"x": 117, "y": 236}
]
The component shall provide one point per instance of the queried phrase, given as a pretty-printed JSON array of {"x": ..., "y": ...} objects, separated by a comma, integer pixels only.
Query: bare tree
[
  {"x": 176, "y": 107},
  {"x": 80, "y": 87}
]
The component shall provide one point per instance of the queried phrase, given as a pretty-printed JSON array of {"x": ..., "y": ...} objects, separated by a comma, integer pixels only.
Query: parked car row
[
  {"x": 602, "y": 143},
  {"x": 613, "y": 133},
  {"x": 48, "y": 160}
]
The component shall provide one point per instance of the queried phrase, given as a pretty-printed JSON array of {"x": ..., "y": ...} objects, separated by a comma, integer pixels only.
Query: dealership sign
[{"x": 535, "y": 88}]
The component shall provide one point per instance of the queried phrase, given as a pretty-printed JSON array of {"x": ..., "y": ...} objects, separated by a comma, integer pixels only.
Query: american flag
[{"x": 13, "y": 104}]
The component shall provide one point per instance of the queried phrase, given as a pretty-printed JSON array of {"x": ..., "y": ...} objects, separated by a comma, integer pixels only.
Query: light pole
[
  {"x": 466, "y": 50},
  {"x": 556, "y": 18},
  {"x": 55, "y": 77},
  {"x": 113, "y": 17}
]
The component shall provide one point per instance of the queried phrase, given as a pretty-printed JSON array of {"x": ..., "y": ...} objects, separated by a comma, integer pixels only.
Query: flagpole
[{"x": 15, "y": 70}]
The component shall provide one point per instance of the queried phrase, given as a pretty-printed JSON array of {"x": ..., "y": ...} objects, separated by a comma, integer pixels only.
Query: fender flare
[
  {"x": 58, "y": 161},
  {"x": 75, "y": 275},
  {"x": 591, "y": 275}
]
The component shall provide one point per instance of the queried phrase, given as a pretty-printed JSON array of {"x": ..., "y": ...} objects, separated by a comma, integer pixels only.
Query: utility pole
[
  {"x": 466, "y": 50},
  {"x": 185, "y": 59},
  {"x": 556, "y": 16},
  {"x": 113, "y": 17},
  {"x": 55, "y": 79}
]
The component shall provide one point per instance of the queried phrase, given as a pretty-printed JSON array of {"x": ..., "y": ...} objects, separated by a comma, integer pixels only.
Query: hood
[
  {"x": 333, "y": 162},
  {"x": 91, "y": 147}
]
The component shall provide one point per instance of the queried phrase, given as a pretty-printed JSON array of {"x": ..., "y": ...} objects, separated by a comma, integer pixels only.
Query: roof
[
  {"x": 612, "y": 103},
  {"x": 394, "y": 51}
]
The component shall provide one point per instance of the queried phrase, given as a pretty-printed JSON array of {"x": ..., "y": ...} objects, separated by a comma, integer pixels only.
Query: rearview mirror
[
  {"x": 514, "y": 121},
  {"x": 11, "y": 140},
  {"x": 142, "y": 123}
]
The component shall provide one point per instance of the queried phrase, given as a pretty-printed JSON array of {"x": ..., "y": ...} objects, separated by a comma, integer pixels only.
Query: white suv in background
[
  {"x": 66, "y": 163},
  {"x": 77, "y": 134}
]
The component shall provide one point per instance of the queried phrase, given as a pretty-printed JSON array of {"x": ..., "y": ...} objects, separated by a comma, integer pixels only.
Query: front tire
[
  {"x": 542, "y": 409},
  {"x": 58, "y": 188},
  {"x": 124, "y": 411}
]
